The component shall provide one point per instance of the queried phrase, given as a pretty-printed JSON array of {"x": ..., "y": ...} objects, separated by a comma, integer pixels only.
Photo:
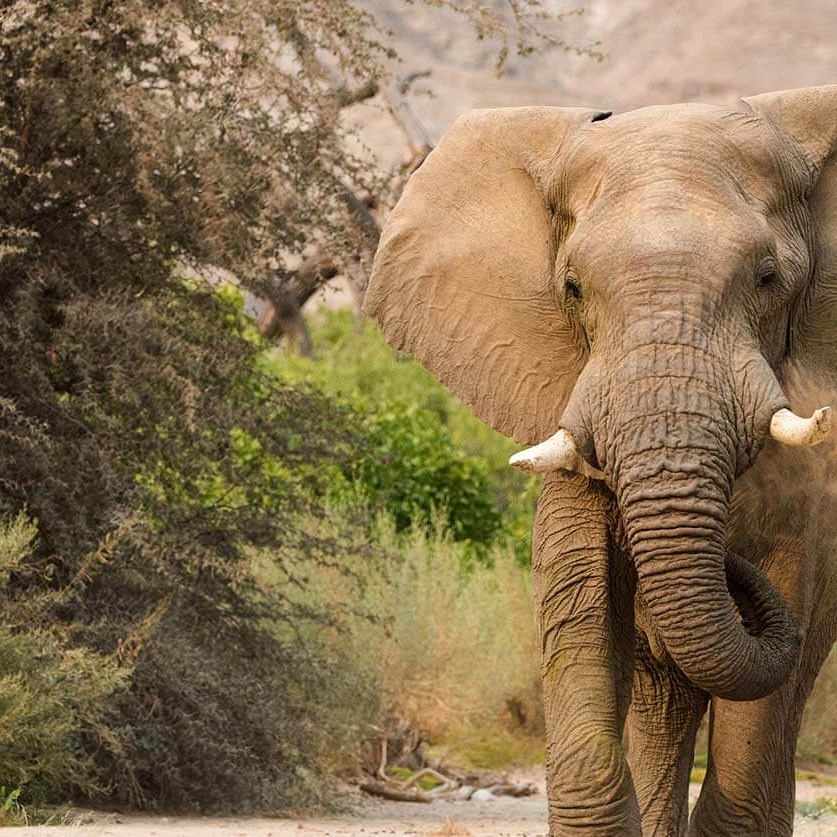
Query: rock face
[
  {"x": 656, "y": 52},
  {"x": 714, "y": 51}
]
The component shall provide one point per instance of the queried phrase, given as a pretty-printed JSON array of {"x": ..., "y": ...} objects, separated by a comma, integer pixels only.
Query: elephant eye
[
  {"x": 572, "y": 290},
  {"x": 768, "y": 278}
]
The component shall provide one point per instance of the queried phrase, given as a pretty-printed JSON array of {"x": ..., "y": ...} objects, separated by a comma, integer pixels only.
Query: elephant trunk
[
  {"x": 675, "y": 525},
  {"x": 672, "y": 468}
]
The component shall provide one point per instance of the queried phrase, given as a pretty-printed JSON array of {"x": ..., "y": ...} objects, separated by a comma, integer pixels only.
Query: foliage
[
  {"x": 416, "y": 469},
  {"x": 438, "y": 614},
  {"x": 408, "y": 465},
  {"x": 426, "y": 451},
  {"x": 147, "y": 149},
  {"x": 201, "y": 130},
  {"x": 51, "y": 711},
  {"x": 408, "y": 655},
  {"x": 11, "y": 811},
  {"x": 181, "y": 465},
  {"x": 53, "y": 697},
  {"x": 494, "y": 746},
  {"x": 525, "y": 23},
  {"x": 823, "y": 806},
  {"x": 137, "y": 138}
]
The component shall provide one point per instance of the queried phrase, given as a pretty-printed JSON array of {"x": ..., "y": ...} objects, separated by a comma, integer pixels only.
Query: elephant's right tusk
[
  {"x": 558, "y": 451},
  {"x": 790, "y": 429}
]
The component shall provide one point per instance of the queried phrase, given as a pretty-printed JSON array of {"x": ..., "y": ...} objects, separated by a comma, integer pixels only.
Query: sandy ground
[{"x": 502, "y": 817}]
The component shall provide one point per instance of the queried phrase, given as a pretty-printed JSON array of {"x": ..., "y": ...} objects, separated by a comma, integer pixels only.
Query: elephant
[{"x": 641, "y": 296}]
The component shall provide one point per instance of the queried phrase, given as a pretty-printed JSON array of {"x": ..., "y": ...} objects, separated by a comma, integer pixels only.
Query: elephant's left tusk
[
  {"x": 558, "y": 451},
  {"x": 790, "y": 429}
]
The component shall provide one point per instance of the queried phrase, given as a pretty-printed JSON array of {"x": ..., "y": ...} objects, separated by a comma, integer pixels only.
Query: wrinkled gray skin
[{"x": 648, "y": 281}]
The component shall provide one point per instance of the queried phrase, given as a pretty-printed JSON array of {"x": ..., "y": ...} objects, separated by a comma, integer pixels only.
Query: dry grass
[
  {"x": 461, "y": 659},
  {"x": 451, "y": 649}
]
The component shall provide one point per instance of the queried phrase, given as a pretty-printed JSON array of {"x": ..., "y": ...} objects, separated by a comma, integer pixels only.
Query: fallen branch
[
  {"x": 446, "y": 783},
  {"x": 388, "y": 791},
  {"x": 452, "y": 782},
  {"x": 513, "y": 789}
]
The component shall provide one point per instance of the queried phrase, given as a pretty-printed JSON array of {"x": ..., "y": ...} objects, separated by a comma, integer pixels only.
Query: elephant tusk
[
  {"x": 558, "y": 451},
  {"x": 789, "y": 429}
]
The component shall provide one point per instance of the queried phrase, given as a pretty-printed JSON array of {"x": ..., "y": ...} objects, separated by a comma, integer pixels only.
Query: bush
[
  {"x": 160, "y": 479},
  {"x": 53, "y": 699},
  {"x": 222, "y": 718},
  {"x": 164, "y": 469},
  {"x": 463, "y": 645},
  {"x": 426, "y": 453},
  {"x": 454, "y": 649},
  {"x": 53, "y": 702},
  {"x": 412, "y": 470},
  {"x": 226, "y": 704}
]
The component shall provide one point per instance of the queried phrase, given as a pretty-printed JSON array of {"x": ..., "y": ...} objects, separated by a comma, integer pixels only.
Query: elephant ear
[
  {"x": 809, "y": 117},
  {"x": 463, "y": 276}
]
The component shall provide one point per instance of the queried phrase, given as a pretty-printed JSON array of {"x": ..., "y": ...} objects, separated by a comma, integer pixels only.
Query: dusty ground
[{"x": 503, "y": 817}]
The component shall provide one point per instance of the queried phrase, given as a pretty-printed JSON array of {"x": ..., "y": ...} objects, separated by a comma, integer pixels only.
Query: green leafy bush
[
  {"x": 425, "y": 452},
  {"x": 53, "y": 702},
  {"x": 412, "y": 469},
  {"x": 11, "y": 811}
]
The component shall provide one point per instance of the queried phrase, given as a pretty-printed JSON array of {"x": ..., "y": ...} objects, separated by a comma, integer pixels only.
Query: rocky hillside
[{"x": 655, "y": 51}]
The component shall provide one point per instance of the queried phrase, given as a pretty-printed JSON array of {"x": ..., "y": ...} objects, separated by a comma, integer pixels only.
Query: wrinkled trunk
[
  {"x": 672, "y": 468},
  {"x": 676, "y": 531}
]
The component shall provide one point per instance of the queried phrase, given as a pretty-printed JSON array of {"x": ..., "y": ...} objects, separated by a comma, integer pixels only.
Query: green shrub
[
  {"x": 425, "y": 452},
  {"x": 52, "y": 705},
  {"x": 352, "y": 361},
  {"x": 412, "y": 470},
  {"x": 11, "y": 811},
  {"x": 221, "y": 718},
  {"x": 53, "y": 698}
]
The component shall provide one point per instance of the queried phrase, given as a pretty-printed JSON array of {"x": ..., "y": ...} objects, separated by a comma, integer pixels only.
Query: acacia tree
[{"x": 147, "y": 148}]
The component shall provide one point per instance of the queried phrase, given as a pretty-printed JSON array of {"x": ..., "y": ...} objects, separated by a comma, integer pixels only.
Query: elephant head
[{"x": 634, "y": 287}]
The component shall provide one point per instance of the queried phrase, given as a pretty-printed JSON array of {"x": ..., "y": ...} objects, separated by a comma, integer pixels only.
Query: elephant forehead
[
  {"x": 706, "y": 238},
  {"x": 680, "y": 156}
]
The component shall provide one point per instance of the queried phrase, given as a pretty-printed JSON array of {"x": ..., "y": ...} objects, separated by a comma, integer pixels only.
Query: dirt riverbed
[{"x": 500, "y": 817}]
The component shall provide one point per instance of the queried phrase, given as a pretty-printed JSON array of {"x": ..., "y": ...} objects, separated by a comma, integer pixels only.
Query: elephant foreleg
[
  {"x": 584, "y": 598},
  {"x": 665, "y": 712}
]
